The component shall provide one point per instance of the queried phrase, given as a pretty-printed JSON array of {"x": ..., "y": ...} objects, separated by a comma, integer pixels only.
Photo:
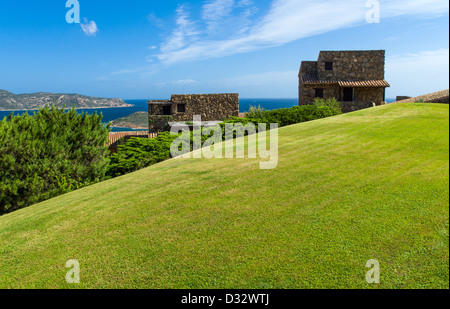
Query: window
[
  {"x": 182, "y": 108},
  {"x": 328, "y": 66},
  {"x": 348, "y": 94},
  {"x": 319, "y": 93},
  {"x": 167, "y": 110}
]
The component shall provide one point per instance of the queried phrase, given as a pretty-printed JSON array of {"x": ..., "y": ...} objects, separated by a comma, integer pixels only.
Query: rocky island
[
  {"x": 10, "y": 101},
  {"x": 138, "y": 120}
]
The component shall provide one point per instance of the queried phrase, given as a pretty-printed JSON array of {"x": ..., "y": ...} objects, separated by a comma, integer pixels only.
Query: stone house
[
  {"x": 183, "y": 108},
  {"x": 355, "y": 78}
]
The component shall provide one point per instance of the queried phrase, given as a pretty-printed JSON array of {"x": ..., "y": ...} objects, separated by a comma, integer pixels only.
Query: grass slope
[{"x": 367, "y": 185}]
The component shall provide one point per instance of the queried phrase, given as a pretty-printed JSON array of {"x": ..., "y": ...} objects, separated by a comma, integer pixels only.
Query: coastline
[
  {"x": 129, "y": 126},
  {"x": 66, "y": 108}
]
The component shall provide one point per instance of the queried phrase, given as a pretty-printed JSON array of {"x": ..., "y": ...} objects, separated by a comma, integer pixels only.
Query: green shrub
[
  {"x": 333, "y": 104},
  {"x": 256, "y": 112},
  {"x": 289, "y": 116},
  {"x": 49, "y": 153},
  {"x": 137, "y": 153}
]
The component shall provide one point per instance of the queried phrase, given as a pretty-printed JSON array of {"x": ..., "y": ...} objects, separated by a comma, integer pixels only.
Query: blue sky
[{"x": 144, "y": 49}]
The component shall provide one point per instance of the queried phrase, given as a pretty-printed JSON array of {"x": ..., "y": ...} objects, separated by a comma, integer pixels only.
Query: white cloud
[
  {"x": 213, "y": 35},
  {"x": 227, "y": 16},
  {"x": 217, "y": 9},
  {"x": 156, "y": 21},
  {"x": 414, "y": 7},
  {"x": 183, "y": 34},
  {"x": 89, "y": 27},
  {"x": 181, "y": 82},
  {"x": 418, "y": 73},
  {"x": 286, "y": 21}
]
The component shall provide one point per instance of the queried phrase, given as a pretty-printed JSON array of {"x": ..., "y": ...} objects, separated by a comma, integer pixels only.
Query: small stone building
[
  {"x": 355, "y": 78},
  {"x": 183, "y": 108}
]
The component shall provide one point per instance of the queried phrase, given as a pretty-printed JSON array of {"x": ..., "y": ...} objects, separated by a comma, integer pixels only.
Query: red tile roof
[
  {"x": 364, "y": 83},
  {"x": 312, "y": 80},
  {"x": 116, "y": 136}
]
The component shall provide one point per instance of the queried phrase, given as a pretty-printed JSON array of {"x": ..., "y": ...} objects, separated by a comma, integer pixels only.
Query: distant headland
[{"x": 10, "y": 101}]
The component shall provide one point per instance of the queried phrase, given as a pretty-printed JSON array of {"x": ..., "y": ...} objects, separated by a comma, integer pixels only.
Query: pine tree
[{"x": 49, "y": 153}]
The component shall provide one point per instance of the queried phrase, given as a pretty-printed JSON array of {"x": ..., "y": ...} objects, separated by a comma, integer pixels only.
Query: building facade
[
  {"x": 183, "y": 108},
  {"x": 355, "y": 78}
]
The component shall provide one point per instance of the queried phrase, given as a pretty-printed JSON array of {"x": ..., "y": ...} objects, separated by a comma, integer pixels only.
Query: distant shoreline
[
  {"x": 66, "y": 108},
  {"x": 129, "y": 126}
]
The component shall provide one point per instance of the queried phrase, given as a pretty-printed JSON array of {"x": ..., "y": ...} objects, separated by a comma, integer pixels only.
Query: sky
[{"x": 145, "y": 49}]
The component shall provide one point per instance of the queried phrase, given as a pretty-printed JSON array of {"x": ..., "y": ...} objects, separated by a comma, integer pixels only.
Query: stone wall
[
  {"x": 402, "y": 97},
  {"x": 371, "y": 95},
  {"x": 307, "y": 93},
  {"x": 183, "y": 108},
  {"x": 353, "y": 106},
  {"x": 157, "y": 107},
  {"x": 361, "y": 94},
  {"x": 352, "y": 65},
  {"x": 309, "y": 68},
  {"x": 212, "y": 107}
]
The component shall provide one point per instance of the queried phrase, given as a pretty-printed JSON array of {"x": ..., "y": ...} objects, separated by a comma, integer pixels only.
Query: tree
[{"x": 49, "y": 153}]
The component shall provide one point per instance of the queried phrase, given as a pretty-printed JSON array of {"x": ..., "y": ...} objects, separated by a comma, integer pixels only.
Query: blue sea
[{"x": 110, "y": 114}]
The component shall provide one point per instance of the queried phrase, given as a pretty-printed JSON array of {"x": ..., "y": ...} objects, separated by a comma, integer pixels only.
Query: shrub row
[{"x": 289, "y": 116}]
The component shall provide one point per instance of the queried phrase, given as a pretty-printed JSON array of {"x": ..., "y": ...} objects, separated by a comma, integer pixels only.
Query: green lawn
[{"x": 367, "y": 185}]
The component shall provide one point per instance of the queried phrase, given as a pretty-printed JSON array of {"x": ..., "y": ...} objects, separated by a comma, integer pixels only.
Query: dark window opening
[
  {"x": 319, "y": 93},
  {"x": 167, "y": 110},
  {"x": 328, "y": 66},
  {"x": 182, "y": 108},
  {"x": 348, "y": 94}
]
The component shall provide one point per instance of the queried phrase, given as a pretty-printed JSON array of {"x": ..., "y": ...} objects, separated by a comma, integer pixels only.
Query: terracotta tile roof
[
  {"x": 116, "y": 136},
  {"x": 309, "y": 79},
  {"x": 313, "y": 80},
  {"x": 364, "y": 83}
]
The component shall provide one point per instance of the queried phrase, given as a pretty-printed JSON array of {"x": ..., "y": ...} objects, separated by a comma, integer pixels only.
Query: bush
[
  {"x": 48, "y": 154},
  {"x": 256, "y": 112},
  {"x": 138, "y": 153},
  {"x": 333, "y": 104},
  {"x": 289, "y": 116}
]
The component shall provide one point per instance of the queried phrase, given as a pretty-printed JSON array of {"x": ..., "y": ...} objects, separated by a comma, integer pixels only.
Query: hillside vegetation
[
  {"x": 138, "y": 120},
  {"x": 10, "y": 101},
  {"x": 373, "y": 184}
]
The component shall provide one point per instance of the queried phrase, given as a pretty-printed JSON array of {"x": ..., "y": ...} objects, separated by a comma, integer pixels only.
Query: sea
[{"x": 110, "y": 114}]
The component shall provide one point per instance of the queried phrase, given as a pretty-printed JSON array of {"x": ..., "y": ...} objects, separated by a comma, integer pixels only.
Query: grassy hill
[{"x": 367, "y": 185}]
